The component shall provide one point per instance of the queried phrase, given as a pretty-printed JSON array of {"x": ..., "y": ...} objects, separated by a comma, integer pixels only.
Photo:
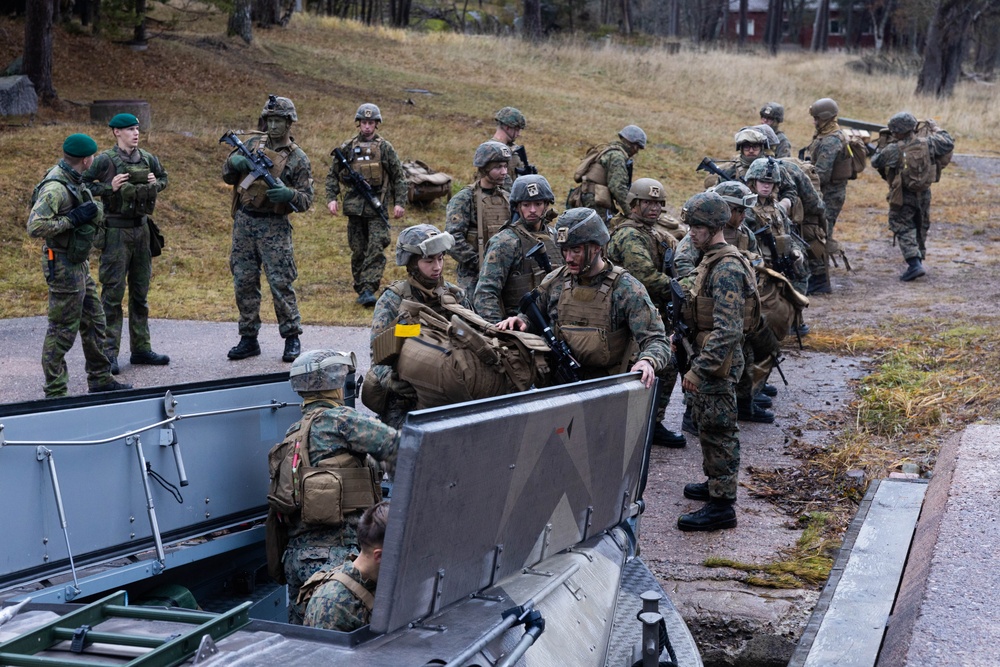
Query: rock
[{"x": 17, "y": 96}]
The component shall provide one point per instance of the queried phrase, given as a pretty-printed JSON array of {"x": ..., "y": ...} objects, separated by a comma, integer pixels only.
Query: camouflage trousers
[
  {"x": 311, "y": 552},
  {"x": 73, "y": 308},
  {"x": 667, "y": 378},
  {"x": 910, "y": 223},
  {"x": 718, "y": 431},
  {"x": 368, "y": 237},
  {"x": 834, "y": 195},
  {"x": 125, "y": 260},
  {"x": 264, "y": 242},
  {"x": 814, "y": 234},
  {"x": 745, "y": 385}
]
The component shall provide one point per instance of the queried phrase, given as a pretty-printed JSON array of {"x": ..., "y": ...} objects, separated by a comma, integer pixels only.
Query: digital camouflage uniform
[
  {"x": 826, "y": 147},
  {"x": 813, "y": 214},
  {"x": 461, "y": 222},
  {"x": 736, "y": 169},
  {"x": 784, "y": 147},
  {"x": 615, "y": 161},
  {"x": 125, "y": 255},
  {"x": 315, "y": 549},
  {"x": 262, "y": 238},
  {"x": 367, "y": 234},
  {"x": 73, "y": 303},
  {"x": 334, "y": 607}
]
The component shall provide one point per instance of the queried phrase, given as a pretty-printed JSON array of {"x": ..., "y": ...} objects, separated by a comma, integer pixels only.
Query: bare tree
[
  {"x": 947, "y": 45},
  {"x": 626, "y": 17},
  {"x": 821, "y": 27},
  {"x": 744, "y": 8},
  {"x": 532, "y": 20},
  {"x": 399, "y": 12},
  {"x": 38, "y": 48},
  {"x": 775, "y": 23},
  {"x": 880, "y": 11},
  {"x": 240, "y": 22}
]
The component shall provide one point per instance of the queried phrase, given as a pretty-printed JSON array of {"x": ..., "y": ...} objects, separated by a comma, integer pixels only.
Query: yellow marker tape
[{"x": 407, "y": 330}]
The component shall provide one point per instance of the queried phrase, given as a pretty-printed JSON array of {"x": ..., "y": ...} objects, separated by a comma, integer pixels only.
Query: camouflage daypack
[
  {"x": 853, "y": 157},
  {"x": 926, "y": 128},
  {"x": 425, "y": 184},
  {"x": 917, "y": 170}
]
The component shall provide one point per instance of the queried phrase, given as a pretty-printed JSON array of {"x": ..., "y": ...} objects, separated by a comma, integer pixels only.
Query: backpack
[
  {"x": 853, "y": 156},
  {"x": 917, "y": 169},
  {"x": 926, "y": 128},
  {"x": 425, "y": 184}
]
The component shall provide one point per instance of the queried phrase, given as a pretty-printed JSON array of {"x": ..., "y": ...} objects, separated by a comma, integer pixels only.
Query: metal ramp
[{"x": 80, "y": 629}]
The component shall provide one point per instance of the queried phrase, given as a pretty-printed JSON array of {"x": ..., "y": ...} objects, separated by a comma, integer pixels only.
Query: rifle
[
  {"x": 681, "y": 337},
  {"x": 781, "y": 264},
  {"x": 541, "y": 257},
  {"x": 708, "y": 164},
  {"x": 526, "y": 168},
  {"x": 262, "y": 164},
  {"x": 358, "y": 182},
  {"x": 566, "y": 366},
  {"x": 629, "y": 165}
]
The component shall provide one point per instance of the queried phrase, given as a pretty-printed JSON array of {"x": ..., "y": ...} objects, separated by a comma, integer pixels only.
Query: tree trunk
[
  {"x": 743, "y": 22},
  {"x": 821, "y": 27},
  {"x": 626, "y": 17},
  {"x": 880, "y": 21},
  {"x": 240, "y": 22},
  {"x": 532, "y": 20},
  {"x": 38, "y": 48},
  {"x": 775, "y": 20},
  {"x": 946, "y": 48},
  {"x": 140, "y": 23}
]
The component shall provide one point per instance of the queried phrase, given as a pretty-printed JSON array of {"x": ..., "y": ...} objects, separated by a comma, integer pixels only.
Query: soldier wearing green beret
[
  {"x": 65, "y": 215},
  {"x": 127, "y": 179}
]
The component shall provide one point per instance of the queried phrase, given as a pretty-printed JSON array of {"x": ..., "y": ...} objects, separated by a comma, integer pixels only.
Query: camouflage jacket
[
  {"x": 686, "y": 257},
  {"x": 62, "y": 192},
  {"x": 504, "y": 256},
  {"x": 296, "y": 174},
  {"x": 98, "y": 177},
  {"x": 826, "y": 147},
  {"x": 333, "y": 607},
  {"x": 615, "y": 163},
  {"x": 812, "y": 201},
  {"x": 394, "y": 187},
  {"x": 637, "y": 250},
  {"x": 784, "y": 147},
  {"x": 460, "y": 220},
  {"x": 736, "y": 170}
]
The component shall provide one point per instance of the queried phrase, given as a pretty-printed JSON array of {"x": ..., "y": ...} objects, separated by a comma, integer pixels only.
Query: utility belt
[
  {"x": 257, "y": 214},
  {"x": 124, "y": 223}
]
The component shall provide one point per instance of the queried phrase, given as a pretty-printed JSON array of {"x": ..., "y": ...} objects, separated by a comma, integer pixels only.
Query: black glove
[{"x": 83, "y": 214}]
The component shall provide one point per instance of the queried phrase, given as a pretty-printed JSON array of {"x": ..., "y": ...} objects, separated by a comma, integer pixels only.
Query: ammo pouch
[
  {"x": 156, "y": 240},
  {"x": 601, "y": 193},
  {"x": 80, "y": 243},
  {"x": 330, "y": 491},
  {"x": 595, "y": 347}
]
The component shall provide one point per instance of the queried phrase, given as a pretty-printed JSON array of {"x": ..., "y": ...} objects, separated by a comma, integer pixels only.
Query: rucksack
[
  {"x": 853, "y": 156},
  {"x": 925, "y": 128},
  {"x": 916, "y": 169},
  {"x": 425, "y": 184}
]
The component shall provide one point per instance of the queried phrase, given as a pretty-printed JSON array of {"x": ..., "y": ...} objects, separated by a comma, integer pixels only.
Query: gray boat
[{"x": 511, "y": 537}]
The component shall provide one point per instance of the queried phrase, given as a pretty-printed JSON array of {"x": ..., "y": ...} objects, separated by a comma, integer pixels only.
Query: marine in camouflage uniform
[
  {"x": 478, "y": 211},
  {"x": 506, "y": 274},
  {"x": 510, "y": 123},
  {"x": 644, "y": 249},
  {"x": 773, "y": 114},
  {"x": 725, "y": 280},
  {"x": 613, "y": 170},
  {"x": 909, "y": 210},
  {"x": 127, "y": 179},
  {"x": 370, "y": 155},
  {"x": 420, "y": 249},
  {"x": 338, "y": 429},
  {"x": 827, "y": 146},
  {"x": 66, "y": 217},
  {"x": 751, "y": 145},
  {"x": 262, "y": 232}
]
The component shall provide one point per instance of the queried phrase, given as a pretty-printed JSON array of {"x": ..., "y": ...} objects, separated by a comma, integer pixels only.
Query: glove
[
  {"x": 280, "y": 195},
  {"x": 240, "y": 163},
  {"x": 83, "y": 214}
]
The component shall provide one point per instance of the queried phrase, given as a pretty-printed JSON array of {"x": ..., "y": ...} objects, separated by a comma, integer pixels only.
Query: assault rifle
[
  {"x": 708, "y": 164},
  {"x": 783, "y": 264},
  {"x": 541, "y": 257},
  {"x": 681, "y": 337},
  {"x": 566, "y": 367},
  {"x": 526, "y": 167},
  {"x": 261, "y": 163},
  {"x": 358, "y": 182}
]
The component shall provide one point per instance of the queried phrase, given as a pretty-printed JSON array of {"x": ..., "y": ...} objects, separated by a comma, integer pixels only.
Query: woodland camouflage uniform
[
  {"x": 615, "y": 163},
  {"x": 826, "y": 147},
  {"x": 504, "y": 256},
  {"x": 460, "y": 220},
  {"x": 334, "y": 607}
]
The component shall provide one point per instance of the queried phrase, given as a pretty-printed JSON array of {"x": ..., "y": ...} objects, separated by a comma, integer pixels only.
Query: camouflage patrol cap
[
  {"x": 903, "y": 123},
  {"x": 706, "y": 209},
  {"x": 735, "y": 193},
  {"x": 421, "y": 241},
  {"x": 511, "y": 117},
  {"x": 773, "y": 111},
  {"x": 122, "y": 120},
  {"x": 321, "y": 370},
  {"x": 577, "y": 226},
  {"x": 368, "y": 111},
  {"x": 279, "y": 106},
  {"x": 531, "y": 187},
  {"x": 770, "y": 137},
  {"x": 748, "y": 135},
  {"x": 764, "y": 169},
  {"x": 824, "y": 109},
  {"x": 490, "y": 151},
  {"x": 633, "y": 134},
  {"x": 646, "y": 189}
]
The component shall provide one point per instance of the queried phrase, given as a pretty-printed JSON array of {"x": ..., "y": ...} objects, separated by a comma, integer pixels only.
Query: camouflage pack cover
[
  {"x": 321, "y": 370},
  {"x": 425, "y": 184}
]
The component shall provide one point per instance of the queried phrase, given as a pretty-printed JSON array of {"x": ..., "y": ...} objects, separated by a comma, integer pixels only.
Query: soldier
[
  {"x": 827, "y": 153},
  {"x": 375, "y": 159},
  {"x": 262, "y": 233},
  {"x": 343, "y": 598},
  {"x": 421, "y": 250},
  {"x": 908, "y": 163},
  {"x": 645, "y": 250},
  {"x": 507, "y": 273},
  {"x": 478, "y": 211},
  {"x": 510, "y": 122},
  {"x": 127, "y": 179},
  {"x": 597, "y": 308},
  {"x": 341, "y": 437},
  {"x": 750, "y": 145},
  {"x": 773, "y": 115},
  {"x": 722, "y": 300},
  {"x": 65, "y": 214},
  {"x": 606, "y": 174}
]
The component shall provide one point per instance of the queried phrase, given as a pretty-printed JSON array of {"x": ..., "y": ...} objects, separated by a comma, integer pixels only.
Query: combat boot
[
  {"x": 819, "y": 284},
  {"x": 697, "y": 491},
  {"x": 687, "y": 424},
  {"x": 247, "y": 347},
  {"x": 762, "y": 400},
  {"x": 112, "y": 385},
  {"x": 717, "y": 514},
  {"x": 751, "y": 412},
  {"x": 367, "y": 299},
  {"x": 915, "y": 270},
  {"x": 769, "y": 390},
  {"x": 666, "y": 438},
  {"x": 113, "y": 360},
  {"x": 293, "y": 348},
  {"x": 148, "y": 358}
]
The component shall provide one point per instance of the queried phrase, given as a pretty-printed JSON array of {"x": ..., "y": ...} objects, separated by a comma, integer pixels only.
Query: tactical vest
[
  {"x": 702, "y": 307},
  {"x": 842, "y": 169},
  {"x": 75, "y": 242},
  {"x": 593, "y": 176},
  {"x": 492, "y": 211},
  {"x": 584, "y": 322},
  {"x": 655, "y": 237},
  {"x": 252, "y": 192},
  {"x": 528, "y": 275},
  {"x": 737, "y": 238},
  {"x": 142, "y": 198},
  {"x": 767, "y": 213},
  {"x": 366, "y": 159},
  {"x": 386, "y": 346},
  {"x": 311, "y": 584}
]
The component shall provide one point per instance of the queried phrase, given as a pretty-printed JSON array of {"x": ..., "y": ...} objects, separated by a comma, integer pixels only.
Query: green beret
[
  {"x": 123, "y": 120},
  {"x": 79, "y": 145}
]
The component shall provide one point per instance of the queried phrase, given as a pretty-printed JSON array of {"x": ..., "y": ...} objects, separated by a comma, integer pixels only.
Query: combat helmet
[
  {"x": 577, "y": 226},
  {"x": 490, "y": 151},
  {"x": 773, "y": 111},
  {"x": 736, "y": 193},
  {"x": 321, "y": 370},
  {"x": 824, "y": 109},
  {"x": 770, "y": 136},
  {"x": 531, "y": 187},
  {"x": 706, "y": 209},
  {"x": 749, "y": 135},
  {"x": 633, "y": 134},
  {"x": 368, "y": 111},
  {"x": 277, "y": 106},
  {"x": 764, "y": 169},
  {"x": 903, "y": 123},
  {"x": 646, "y": 189},
  {"x": 421, "y": 241},
  {"x": 511, "y": 117}
]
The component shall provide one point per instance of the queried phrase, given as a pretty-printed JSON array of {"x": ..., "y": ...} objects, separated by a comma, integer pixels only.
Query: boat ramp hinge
[{"x": 436, "y": 597}]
